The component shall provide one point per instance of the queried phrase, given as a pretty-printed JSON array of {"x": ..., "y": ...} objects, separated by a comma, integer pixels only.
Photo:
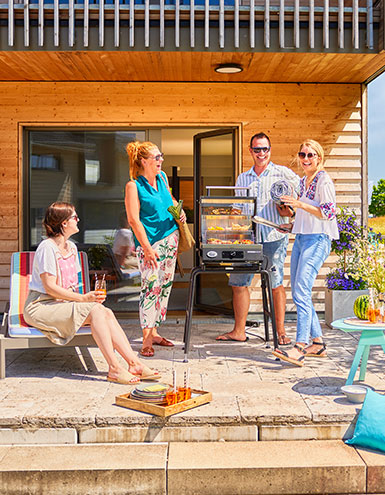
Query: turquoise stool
[{"x": 369, "y": 337}]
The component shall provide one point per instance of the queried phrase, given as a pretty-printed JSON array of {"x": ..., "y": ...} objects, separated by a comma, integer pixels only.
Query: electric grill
[{"x": 226, "y": 229}]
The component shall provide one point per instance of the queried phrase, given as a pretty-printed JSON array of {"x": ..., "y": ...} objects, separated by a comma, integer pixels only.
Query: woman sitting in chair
[{"x": 55, "y": 306}]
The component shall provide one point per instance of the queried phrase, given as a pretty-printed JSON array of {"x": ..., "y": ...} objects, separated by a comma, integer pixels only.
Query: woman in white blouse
[{"x": 315, "y": 227}]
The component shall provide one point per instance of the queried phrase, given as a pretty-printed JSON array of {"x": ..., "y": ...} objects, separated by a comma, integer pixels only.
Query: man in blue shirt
[{"x": 262, "y": 175}]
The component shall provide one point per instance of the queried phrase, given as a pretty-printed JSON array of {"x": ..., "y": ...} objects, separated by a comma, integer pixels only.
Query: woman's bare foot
[
  {"x": 283, "y": 339},
  {"x": 232, "y": 336}
]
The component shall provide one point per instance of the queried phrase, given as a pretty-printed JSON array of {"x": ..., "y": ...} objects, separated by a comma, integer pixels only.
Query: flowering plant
[
  {"x": 371, "y": 266},
  {"x": 346, "y": 275}
]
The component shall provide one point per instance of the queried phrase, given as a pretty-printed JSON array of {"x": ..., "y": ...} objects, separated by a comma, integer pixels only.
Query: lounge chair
[{"x": 15, "y": 332}]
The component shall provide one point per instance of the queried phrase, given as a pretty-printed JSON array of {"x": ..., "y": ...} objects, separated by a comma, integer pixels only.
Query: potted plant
[{"x": 345, "y": 282}]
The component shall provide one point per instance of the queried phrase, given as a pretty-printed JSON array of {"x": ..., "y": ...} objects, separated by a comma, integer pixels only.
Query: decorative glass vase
[
  {"x": 373, "y": 310},
  {"x": 381, "y": 302}
]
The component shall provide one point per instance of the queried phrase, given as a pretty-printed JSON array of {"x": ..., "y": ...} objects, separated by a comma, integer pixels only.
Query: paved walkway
[{"x": 254, "y": 395}]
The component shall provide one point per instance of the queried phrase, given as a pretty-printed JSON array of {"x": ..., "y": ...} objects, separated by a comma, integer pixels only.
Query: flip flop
[
  {"x": 164, "y": 343},
  {"x": 281, "y": 339},
  {"x": 229, "y": 339},
  {"x": 147, "y": 352},
  {"x": 125, "y": 378},
  {"x": 285, "y": 356},
  {"x": 149, "y": 374}
]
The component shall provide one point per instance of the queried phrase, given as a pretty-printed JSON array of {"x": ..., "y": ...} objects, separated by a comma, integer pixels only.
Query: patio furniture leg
[
  {"x": 270, "y": 308},
  {"x": 364, "y": 362},
  {"x": 355, "y": 363},
  {"x": 189, "y": 309}
]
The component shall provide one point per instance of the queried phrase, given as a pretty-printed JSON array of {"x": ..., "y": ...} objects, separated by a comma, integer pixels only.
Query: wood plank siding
[
  {"x": 289, "y": 113},
  {"x": 188, "y": 66}
]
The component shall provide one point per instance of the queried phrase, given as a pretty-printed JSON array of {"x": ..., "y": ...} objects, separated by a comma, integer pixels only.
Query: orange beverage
[
  {"x": 372, "y": 315},
  {"x": 100, "y": 288},
  {"x": 184, "y": 393},
  {"x": 171, "y": 397}
]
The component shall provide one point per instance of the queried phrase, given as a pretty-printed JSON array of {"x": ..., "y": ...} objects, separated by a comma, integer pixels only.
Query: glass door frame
[{"x": 235, "y": 133}]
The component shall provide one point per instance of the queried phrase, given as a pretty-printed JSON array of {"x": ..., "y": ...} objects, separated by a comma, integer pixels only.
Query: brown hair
[
  {"x": 311, "y": 143},
  {"x": 56, "y": 214},
  {"x": 259, "y": 135},
  {"x": 137, "y": 151}
]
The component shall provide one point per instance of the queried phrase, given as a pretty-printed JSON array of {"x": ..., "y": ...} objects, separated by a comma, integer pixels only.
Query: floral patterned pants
[{"x": 157, "y": 282}]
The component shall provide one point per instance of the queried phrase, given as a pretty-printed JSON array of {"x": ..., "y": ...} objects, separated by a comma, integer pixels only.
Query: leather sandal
[
  {"x": 319, "y": 354},
  {"x": 125, "y": 378},
  {"x": 149, "y": 374},
  {"x": 163, "y": 342},
  {"x": 285, "y": 356},
  {"x": 147, "y": 351}
]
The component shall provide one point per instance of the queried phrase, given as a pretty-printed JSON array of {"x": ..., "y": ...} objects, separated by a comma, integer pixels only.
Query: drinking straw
[
  {"x": 187, "y": 384},
  {"x": 174, "y": 380}
]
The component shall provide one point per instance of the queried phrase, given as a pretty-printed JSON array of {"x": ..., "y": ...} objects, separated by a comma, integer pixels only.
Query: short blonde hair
[
  {"x": 311, "y": 143},
  {"x": 137, "y": 151}
]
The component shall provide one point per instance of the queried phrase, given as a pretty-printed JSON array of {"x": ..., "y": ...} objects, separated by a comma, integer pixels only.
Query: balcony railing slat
[
  {"x": 71, "y": 23},
  {"x": 282, "y": 23},
  {"x": 369, "y": 24},
  {"x": 86, "y": 14},
  {"x": 266, "y": 25},
  {"x": 40, "y": 28},
  {"x": 56, "y": 23},
  {"x": 116, "y": 23},
  {"x": 296, "y": 24},
  {"x": 192, "y": 23},
  {"x": 207, "y": 23},
  {"x": 236, "y": 24},
  {"x": 311, "y": 24},
  {"x": 221, "y": 23},
  {"x": 326, "y": 25},
  {"x": 355, "y": 32},
  {"x": 161, "y": 24},
  {"x": 101, "y": 22},
  {"x": 11, "y": 23},
  {"x": 252, "y": 24},
  {"x": 341, "y": 33},
  {"x": 132, "y": 24},
  {"x": 177, "y": 24},
  {"x": 147, "y": 23},
  {"x": 26, "y": 22}
]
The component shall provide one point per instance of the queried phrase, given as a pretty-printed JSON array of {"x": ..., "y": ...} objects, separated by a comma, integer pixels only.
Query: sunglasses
[
  {"x": 75, "y": 217},
  {"x": 303, "y": 155},
  {"x": 158, "y": 157},
  {"x": 265, "y": 149}
]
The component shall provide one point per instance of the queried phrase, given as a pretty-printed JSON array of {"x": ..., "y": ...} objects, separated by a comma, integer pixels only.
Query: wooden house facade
[{"x": 70, "y": 70}]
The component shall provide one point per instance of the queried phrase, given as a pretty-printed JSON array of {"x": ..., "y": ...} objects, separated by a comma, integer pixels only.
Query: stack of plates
[{"x": 153, "y": 394}]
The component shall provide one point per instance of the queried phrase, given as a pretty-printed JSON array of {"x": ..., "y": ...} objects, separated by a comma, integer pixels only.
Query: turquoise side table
[{"x": 369, "y": 337}]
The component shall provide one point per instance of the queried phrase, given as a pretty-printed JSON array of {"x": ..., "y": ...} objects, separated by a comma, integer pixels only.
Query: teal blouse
[{"x": 157, "y": 221}]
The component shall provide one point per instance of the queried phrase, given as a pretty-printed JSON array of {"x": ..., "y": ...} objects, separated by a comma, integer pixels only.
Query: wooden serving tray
[{"x": 164, "y": 411}]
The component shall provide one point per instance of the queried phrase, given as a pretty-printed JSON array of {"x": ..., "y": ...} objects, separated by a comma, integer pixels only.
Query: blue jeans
[
  {"x": 309, "y": 253},
  {"x": 276, "y": 252}
]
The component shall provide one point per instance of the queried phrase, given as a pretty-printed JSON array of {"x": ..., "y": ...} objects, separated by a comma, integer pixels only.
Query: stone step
[
  {"x": 205, "y": 468},
  {"x": 160, "y": 432}
]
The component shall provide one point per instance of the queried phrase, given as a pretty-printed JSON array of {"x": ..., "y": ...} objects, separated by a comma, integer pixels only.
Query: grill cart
[{"x": 227, "y": 244}]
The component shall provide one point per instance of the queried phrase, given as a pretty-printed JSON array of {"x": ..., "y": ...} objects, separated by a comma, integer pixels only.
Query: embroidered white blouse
[{"x": 321, "y": 193}]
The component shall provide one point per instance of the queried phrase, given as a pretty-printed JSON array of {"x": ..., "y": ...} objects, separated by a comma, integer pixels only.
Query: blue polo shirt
[{"x": 157, "y": 221}]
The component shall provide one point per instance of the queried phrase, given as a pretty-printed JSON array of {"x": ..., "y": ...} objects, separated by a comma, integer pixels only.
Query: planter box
[{"x": 339, "y": 304}]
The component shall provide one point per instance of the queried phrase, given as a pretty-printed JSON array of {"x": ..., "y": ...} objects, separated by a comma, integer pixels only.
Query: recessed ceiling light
[{"x": 228, "y": 68}]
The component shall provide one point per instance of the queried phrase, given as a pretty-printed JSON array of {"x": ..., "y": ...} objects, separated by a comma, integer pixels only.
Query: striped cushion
[{"x": 21, "y": 272}]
